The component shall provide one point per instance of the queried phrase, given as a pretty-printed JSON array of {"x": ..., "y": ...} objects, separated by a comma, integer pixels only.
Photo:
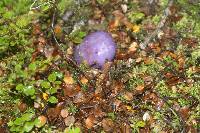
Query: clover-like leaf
[
  {"x": 59, "y": 75},
  {"x": 32, "y": 66},
  {"x": 20, "y": 87},
  {"x": 53, "y": 99},
  {"x": 45, "y": 84},
  {"x": 28, "y": 126},
  {"x": 29, "y": 91},
  {"x": 52, "y": 90},
  {"x": 18, "y": 121},
  {"x": 52, "y": 77},
  {"x": 27, "y": 116}
]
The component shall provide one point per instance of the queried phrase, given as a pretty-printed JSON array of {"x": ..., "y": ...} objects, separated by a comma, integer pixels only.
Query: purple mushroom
[{"x": 96, "y": 49}]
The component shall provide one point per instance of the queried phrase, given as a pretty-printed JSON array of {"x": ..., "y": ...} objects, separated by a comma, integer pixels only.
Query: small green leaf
[
  {"x": 18, "y": 121},
  {"x": 32, "y": 66},
  {"x": 136, "y": 16},
  {"x": 112, "y": 115},
  {"x": 45, "y": 84},
  {"x": 53, "y": 99},
  {"x": 52, "y": 77},
  {"x": 57, "y": 82},
  {"x": 18, "y": 68},
  {"x": 8, "y": 14},
  {"x": 33, "y": 97},
  {"x": 45, "y": 8},
  {"x": 29, "y": 91},
  {"x": 77, "y": 36},
  {"x": 10, "y": 123},
  {"x": 28, "y": 126},
  {"x": 81, "y": 34},
  {"x": 23, "y": 21},
  {"x": 59, "y": 75},
  {"x": 20, "y": 87},
  {"x": 37, "y": 122},
  {"x": 15, "y": 128},
  {"x": 52, "y": 90},
  {"x": 27, "y": 116},
  {"x": 140, "y": 124},
  {"x": 74, "y": 130},
  {"x": 77, "y": 130}
]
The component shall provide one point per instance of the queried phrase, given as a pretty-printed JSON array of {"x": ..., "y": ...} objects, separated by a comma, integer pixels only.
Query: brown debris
[
  {"x": 90, "y": 121},
  {"x": 70, "y": 120},
  {"x": 107, "y": 125}
]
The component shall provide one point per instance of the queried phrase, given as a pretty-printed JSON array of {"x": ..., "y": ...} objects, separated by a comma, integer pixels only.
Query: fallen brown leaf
[
  {"x": 70, "y": 120},
  {"x": 43, "y": 120},
  {"x": 107, "y": 124},
  {"x": 64, "y": 113},
  {"x": 90, "y": 121}
]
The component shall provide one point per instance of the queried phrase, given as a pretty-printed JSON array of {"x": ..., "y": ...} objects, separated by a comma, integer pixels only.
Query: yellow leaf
[
  {"x": 129, "y": 108},
  {"x": 42, "y": 105},
  {"x": 45, "y": 96},
  {"x": 84, "y": 80},
  {"x": 136, "y": 28},
  {"x": 68, "y": 79}
]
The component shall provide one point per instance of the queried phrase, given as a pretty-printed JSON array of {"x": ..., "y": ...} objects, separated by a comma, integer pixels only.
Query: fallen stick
[{"x": 167, "y": 12}]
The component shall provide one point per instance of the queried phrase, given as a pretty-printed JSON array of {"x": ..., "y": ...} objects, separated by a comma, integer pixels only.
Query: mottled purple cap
[{"x": 97, "y": 48}]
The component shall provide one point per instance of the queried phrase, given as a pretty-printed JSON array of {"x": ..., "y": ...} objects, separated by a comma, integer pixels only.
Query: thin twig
[
  {"x": 167, "y": 12},
  {"x": 59, "y": 46}
]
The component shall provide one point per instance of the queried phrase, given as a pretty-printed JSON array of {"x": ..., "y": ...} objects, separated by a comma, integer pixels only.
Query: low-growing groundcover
[{"x": 147, "y": 88}]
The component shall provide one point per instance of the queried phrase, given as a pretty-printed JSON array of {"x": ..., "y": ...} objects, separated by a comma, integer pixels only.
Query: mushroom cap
[{"x": 96, "y": 48}]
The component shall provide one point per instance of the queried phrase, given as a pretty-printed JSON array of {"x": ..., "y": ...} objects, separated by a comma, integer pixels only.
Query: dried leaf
[
  {"x": 192, "y": 42},
  {"x": 125, "y": 128},
  {"x": 42, "y": 40},
  {"x": 42, "y": 121},
  {"x": 64, "y": 113},
  {"x": 53, "y": 113},
  {"x": 98, "y": 112},
  {"x": 22, "y": 107},
  {"x": 184, "y": 112},
  {"x": 68, "y": 79},
  {"x": 90, "y": 121},
  {"x": 140, "y": 88},
  {"x": 107, "y": 124},
  {"x": 36, "y": 29},
  {"x": 128, "y": 96},
  {"x": 71, "y": 90},
  {"x": 58, "y": 30},
  {"x": 133, "y": 47},
  {"x": 70, "y": 120},
  {"x": 48, "y": 51},
  {"x": 84, "y": 80},
  {"x": 79, "y": 97}
]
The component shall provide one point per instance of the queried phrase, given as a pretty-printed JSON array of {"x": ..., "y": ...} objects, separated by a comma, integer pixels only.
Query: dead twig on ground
[{"x": 166, "y": 14}]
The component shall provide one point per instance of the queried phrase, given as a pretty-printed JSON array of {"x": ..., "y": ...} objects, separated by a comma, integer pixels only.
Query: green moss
[
  {"x": 195, "y": 90},
  {"x": 134, "y": 82},
  {"x": 164, "y": 90},
  {"x": 64, "y": 5},
  {"x": 136, "y": 17},
  {"x": 103, "y": 2},
  {"x": 189, "y": 25}
]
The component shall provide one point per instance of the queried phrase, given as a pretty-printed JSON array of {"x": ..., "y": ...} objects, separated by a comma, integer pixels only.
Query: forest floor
[{"x": 152, "y": 85}]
